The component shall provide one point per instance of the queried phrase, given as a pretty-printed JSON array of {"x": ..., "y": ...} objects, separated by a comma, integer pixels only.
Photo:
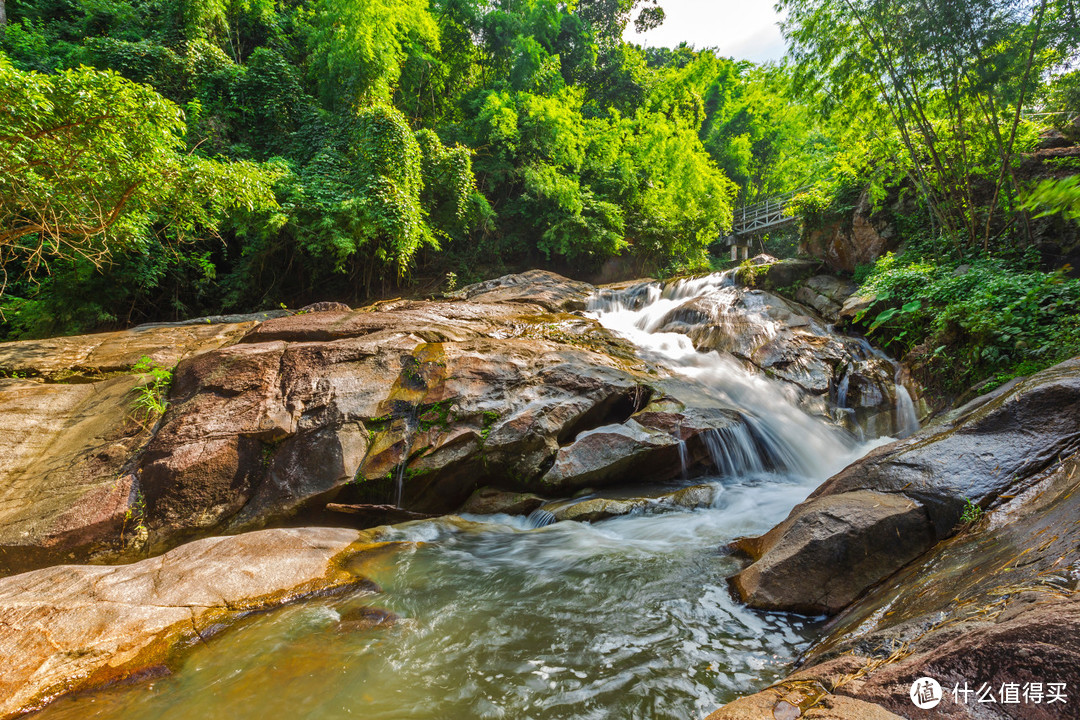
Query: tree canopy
[{"x": 181, "y": 157}]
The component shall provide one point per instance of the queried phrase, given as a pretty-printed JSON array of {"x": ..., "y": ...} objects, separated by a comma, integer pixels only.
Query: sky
[{"x": 743, "y": 29}]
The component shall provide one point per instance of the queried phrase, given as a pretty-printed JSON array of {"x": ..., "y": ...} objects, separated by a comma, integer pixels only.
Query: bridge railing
[{"x": 764, "y": 214}]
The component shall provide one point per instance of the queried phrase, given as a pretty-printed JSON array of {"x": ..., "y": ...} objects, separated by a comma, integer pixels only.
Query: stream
[{"x": 626, "y": 618}]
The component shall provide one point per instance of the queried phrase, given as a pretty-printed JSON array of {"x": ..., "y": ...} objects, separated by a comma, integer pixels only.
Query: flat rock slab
[
  {"x": 800, "y": 700},
  {"x": 71, "y": 627},
  {"x": 63, "y": 490},
  {"x": 58, "y": 358},
  {"x": 71, "y": 430}
]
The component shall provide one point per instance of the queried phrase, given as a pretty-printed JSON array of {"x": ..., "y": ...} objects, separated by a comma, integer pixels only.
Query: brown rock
[
  {"x": 826, "y": 294},
  {"x": 64, "y": 491},
  {"x": 830, "y": 549},
  {"x": 601, "y": 508},
  {"x": 491, "y": 501},
  {"x": 95, "y": 355},
  {"x": 537, "y": 287},
  {"x": 70, "y": 628},
  {"x": 980, "y": 454},
  {"x": 325, "y": 306},
  {"x": 1050, "y": 139},
  {"x": 1041, "y": 645},
  {"x": 792, "y": 700},
  {"x": 847, "y": 242},
  {"x": 612, "y": 453},
  {"x": 365, "y": 619}
]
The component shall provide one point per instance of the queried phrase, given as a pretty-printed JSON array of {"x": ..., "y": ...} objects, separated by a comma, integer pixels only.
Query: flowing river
[{"x": 625, "y": 618}]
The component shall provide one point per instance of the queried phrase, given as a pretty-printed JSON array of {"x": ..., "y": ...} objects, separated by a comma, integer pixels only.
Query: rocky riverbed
[{"x": 535, "y": 394}]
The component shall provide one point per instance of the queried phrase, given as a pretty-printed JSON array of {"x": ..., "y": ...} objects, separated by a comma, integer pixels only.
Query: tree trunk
[{"x": 3, "y": 14}]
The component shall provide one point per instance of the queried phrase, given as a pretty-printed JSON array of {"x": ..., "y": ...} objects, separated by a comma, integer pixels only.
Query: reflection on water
[{"x": 629, "y": 618}]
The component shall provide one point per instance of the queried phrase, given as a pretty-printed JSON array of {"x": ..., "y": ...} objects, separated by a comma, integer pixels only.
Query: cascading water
[
  {"x": 519, "y": 618},
  {"x": 791, "y": 439}
]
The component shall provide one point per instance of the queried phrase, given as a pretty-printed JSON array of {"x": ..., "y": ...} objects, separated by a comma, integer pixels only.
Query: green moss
[
  {"x": 490, "y": 416},
  {"x": 748, "y": 273},
  {"x": 436, "y": 415}
]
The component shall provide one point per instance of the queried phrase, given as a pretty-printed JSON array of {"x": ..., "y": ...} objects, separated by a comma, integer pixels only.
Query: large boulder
[
  {"x": 70, "y": 628},
  {"x": 490, "y": 501},
  {"x": 826, "y": 294},
  {"x": 830, "y": 549},
  {"x": 876, "y": 515},
  {"x": 72, "y": 428},
  {"x": 995, "y": 606},
  {"x": 846, "y": 242},
  {"x": 536, "y": 287}
]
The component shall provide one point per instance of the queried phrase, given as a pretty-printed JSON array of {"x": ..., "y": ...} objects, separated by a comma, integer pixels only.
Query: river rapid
[{"x": 625, "y": 618}]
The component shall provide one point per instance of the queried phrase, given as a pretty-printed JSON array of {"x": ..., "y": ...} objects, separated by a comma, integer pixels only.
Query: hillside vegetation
[{"x": 162, "y": 159}]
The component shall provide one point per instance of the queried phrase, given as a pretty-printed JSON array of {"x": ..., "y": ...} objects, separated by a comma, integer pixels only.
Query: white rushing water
[
  {"x": 627, "y": 618},
  {"x": 814, "y": 449}
]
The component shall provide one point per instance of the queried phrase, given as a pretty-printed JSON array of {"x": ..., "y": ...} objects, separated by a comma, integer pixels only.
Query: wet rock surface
[
  {"x": 795, "y": 699},
  {"x": 841, "y": 376},
  {"x": 830, "y": 549},
  {"x": 594, "y": 509},
  {"x": 491, "y": 501},
  {"x": 915, "y": 491},
  {"x": 993, "y": 607},
  {"x": 69, "y": 628}
]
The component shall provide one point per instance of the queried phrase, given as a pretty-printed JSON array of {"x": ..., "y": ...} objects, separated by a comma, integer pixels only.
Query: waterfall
[
  {"x": 778, "y": 435},
  {"x": 907, "y": 417}
]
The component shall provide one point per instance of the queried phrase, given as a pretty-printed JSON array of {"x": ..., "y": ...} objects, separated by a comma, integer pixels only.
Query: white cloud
[{"x": 743, "y": 29}]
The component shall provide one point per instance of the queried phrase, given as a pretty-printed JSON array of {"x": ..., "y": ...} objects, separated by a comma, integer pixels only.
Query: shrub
[{"x": 993, "y": 317}]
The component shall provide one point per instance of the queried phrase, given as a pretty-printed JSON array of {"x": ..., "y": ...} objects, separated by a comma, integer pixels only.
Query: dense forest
[{"x": 162, "y": 159}]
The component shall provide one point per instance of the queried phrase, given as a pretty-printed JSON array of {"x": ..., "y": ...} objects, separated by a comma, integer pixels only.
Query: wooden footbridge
[{"x": 763, "y": 215}]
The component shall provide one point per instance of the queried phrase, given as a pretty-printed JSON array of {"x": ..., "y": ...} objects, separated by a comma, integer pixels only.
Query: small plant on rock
[
  {"x": 973, "y": 512},
  {"x": 150, "y": 397},
  {"x": 135, "y": 520}
]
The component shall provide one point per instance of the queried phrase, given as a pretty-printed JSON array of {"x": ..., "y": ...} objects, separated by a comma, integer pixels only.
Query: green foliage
[
  {"x": 951, "y": 77},
  {"x": 993, "y": 316},
  {"x": 748, "y": 273},
  {"x": 358, "y": 46},
  {"x": 135, "y": 517},
  {"x": 1052, "y": 196},
  {"x": 91, "y": 163},
  {"x": 972, "y": 513},
  {"x": 150, "y": 396}
]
